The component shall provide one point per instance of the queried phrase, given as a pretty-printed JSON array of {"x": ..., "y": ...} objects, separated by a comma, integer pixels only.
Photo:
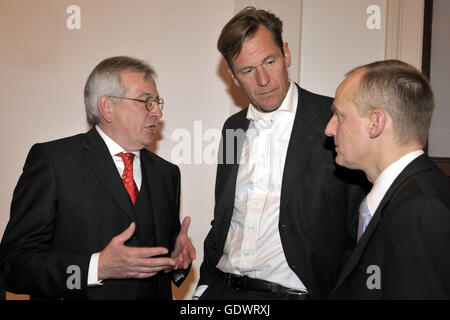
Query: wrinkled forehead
[{"x": 137, "y": 81}]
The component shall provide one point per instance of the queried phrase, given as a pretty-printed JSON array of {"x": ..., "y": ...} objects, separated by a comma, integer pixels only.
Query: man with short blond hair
[{"x": 381, "y": 119}]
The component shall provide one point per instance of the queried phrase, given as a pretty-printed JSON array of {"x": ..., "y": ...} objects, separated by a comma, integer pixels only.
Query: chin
[
  {"x": 268, "y": 108},
  {"x": 341, "y": 162},
  {"x": 347, "y": 165},
  {"x": 147, "y": 140},
  {"x": 147, "y": 143}
]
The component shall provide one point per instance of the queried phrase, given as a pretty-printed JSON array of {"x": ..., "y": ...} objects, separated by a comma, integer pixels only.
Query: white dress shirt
[
  {"x": 253, "y": 246},
  {"x": 386, "y": 178},
  {"x": 114, "y": 149}
]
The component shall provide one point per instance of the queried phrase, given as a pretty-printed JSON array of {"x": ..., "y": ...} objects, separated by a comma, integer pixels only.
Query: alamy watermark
[
  {"x": 73, "y": 21},
  {"x": 374, "y": 279},
  {"x": 373, "y": 22},
  {"x": 210, "y": 146},
  {"x": 74, "y": 279}
]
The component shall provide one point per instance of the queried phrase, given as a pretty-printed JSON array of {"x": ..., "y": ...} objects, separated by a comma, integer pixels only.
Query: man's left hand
[{"x": 184, "y": 252}]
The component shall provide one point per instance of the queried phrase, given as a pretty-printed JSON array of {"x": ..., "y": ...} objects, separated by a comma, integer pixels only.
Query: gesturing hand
[
  {"x": 118, "y": 261},
  {"x": 184, "y": 251}
]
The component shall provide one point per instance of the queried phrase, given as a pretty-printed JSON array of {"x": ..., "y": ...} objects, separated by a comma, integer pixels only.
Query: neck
[
  {"x": 117, "y": 138},
  {"x": 387, "y": 157}
]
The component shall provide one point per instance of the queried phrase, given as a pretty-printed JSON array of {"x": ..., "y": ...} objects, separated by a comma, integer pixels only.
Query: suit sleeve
[
  {"x": 178, "y": 276},
  {"x": 210, "y": 247},
  {"x": 28, "y": 263},
  {"x": 417, "y": 243}
]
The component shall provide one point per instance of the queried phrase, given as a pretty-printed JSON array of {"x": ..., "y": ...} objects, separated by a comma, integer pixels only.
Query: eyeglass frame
[{"x": 158, "y": 100}]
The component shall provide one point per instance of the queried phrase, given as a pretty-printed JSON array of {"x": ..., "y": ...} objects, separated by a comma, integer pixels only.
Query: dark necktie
[{"x": 127, "y": 175}]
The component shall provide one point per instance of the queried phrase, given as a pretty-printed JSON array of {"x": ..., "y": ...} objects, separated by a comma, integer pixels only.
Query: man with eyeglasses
[{"x": 95, "y": 216}]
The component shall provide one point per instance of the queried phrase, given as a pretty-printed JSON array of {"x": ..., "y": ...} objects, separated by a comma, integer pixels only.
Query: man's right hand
[{"x": 117, "y": 261}]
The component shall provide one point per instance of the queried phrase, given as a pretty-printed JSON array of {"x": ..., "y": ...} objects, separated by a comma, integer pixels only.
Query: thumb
[
  {"x": 127, "y": 234},
  {"x": 185, "y": 225}
]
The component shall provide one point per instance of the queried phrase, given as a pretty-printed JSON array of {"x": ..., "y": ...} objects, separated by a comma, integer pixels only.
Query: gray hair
[{"x": 105, "y": 80}]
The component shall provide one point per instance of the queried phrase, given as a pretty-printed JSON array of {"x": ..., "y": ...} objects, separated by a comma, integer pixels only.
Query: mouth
[
  {"x": 336, "y": 147},
  {"x": 266, "y": 93},
  {"x": 151, "y": 128}
]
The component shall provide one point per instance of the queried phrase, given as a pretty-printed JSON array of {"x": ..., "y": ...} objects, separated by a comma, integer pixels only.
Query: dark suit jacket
[
  {"x": 69, "y": 203},
  {"x": 317, "y": 208},
  {"x": 407, "y": 240},
  {"x": 2, "y": 288}
]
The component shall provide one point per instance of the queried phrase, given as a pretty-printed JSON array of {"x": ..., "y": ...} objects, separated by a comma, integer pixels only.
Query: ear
[
  {"x": 236, "y": 82},
  {"x": 104, "y": 107},
  {"x": 287, "y": 55},
  {"x": 377, "y": 122}
]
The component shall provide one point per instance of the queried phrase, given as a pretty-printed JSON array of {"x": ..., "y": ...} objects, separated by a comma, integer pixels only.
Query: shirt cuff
[
  {"x": 198, "y": 293},
  {"x": 93, "y": 271}
]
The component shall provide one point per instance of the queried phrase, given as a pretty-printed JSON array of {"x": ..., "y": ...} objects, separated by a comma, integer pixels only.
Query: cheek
[
  {"x": 131, "y": 124},
  {"x": 340, "y": 132},
  {"x": 345, "y": 138},
  {"x": 247, "y": 88}
]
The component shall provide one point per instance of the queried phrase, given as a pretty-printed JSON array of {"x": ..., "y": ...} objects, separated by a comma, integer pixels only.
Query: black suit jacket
[
  {"x": 404, "y": 252},
  {"x": 2, "y": 288},
  {"x": 69, "y": 203},
  {"x": 317, "y": 210}
]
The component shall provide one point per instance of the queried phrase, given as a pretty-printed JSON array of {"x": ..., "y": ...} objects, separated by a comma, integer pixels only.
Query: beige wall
[
  {"x": 439, "y": 145},
  {"x": 44, "y": 66},
  {"x": 335, "y": 38}
]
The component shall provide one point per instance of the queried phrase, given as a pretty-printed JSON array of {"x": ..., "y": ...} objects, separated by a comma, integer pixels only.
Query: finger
[
  {"x": 145, "y": 275},
  {"x": 189, "y": 253},
  {"x": 148, "y": 252},
  {"x": 152, "y": 263},
  {"x": 144, "y": 272},
  {"x": 189, "y": 257},
  {"x": 192, "y": 252},
  {"x": 152, "y": 270},
  {"x": 127, "y": 234},
  {"x": 184, "y": 259},
  {"x": 185, "y": 225}
]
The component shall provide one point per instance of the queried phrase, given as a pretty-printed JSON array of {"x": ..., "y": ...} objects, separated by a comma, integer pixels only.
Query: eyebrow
[
  {"x": 270, "y": 56},
  {"x": 335, "y": 110},
  {"x": 145, "y": 95}
]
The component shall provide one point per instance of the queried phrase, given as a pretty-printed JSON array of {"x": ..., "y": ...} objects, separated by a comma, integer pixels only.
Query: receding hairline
[{"x": 402, "y": 91}]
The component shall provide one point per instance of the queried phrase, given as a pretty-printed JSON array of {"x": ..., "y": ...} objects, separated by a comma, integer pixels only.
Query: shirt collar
[
  {"x": 386, "y": 178},
  {"x": 113, "y": 147},
  {"x": 289, "y": 104}
]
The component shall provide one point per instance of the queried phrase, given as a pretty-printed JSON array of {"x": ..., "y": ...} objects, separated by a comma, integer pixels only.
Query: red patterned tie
[{"x": 127, "y": 175}]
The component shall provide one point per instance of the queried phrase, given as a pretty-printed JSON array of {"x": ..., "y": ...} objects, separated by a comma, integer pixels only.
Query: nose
[
  {"x": 330, "y": 129},
  {"x": 262, "y": 76},
  {"x": 156, "y": 111}
]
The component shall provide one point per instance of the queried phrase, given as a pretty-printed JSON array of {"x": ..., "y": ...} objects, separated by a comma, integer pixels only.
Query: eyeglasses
[{"x": 149, "y": 104}]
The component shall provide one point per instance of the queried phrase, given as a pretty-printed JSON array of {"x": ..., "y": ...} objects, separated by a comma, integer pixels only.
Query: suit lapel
[
  {"x": 420, "y": 164},
  {"x": 302, "y": 139},
  {"x": 97, "y": 157},
  {"x": 229, "y": 172}
]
